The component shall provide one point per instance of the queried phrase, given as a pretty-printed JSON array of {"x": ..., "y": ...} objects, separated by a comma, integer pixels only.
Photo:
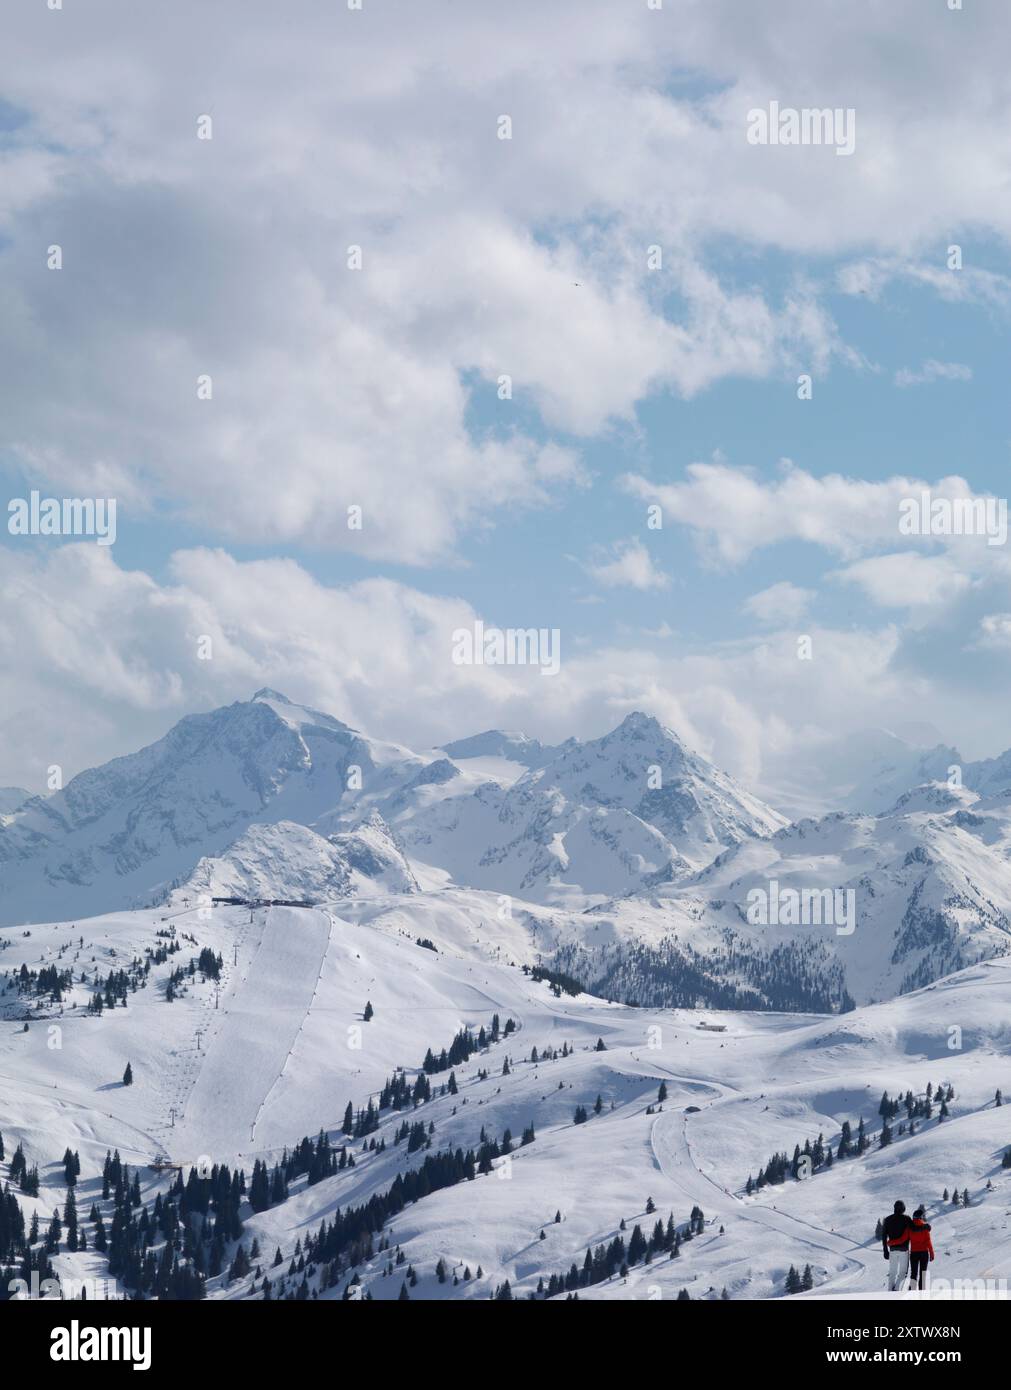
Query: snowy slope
[
  {"x": 240, "y": 1068},
  {"x": 290, "y": 861}
]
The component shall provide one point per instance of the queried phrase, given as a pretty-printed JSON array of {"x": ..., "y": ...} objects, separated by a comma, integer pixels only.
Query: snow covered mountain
[
  {"x": 496, "y": 743},
  {"x": 644, "y": 855},
  {"x": 646, "y": 984},
  {"x": 124, "y": 834},
  {"x": 290, "y": 862},
  {"x": 595, "y": 819},
  {"x": 598, "y": 818},
  {"x": 821, "y": 913}
]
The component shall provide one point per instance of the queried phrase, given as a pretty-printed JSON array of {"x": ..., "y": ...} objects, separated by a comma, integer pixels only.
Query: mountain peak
[
  {"x": 641, "y": 725},
  {"x": 267, "y": 694}
]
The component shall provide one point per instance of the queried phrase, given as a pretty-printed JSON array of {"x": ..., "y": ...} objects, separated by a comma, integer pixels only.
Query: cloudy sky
[{"x": 638, "y": 380}]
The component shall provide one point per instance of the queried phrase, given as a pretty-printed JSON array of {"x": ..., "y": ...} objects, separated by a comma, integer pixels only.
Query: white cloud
[
  {"x": 628, "y": 564},
  {"x": 96, "y": 661},
  {"x": 995, "y": 631},
  {"x": 931, "y": 371},
  {"x": 908, "y": 580},
  {"x": 734, "y": 512},
  {"x": 780, "y": 604},
  {"x": 335, "y": 388}
]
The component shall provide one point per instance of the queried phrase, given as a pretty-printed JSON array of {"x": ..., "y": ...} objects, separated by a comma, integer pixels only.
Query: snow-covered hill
[
  {"x": 239, "y": 1069},
  {"x": 290, "y": 861}
]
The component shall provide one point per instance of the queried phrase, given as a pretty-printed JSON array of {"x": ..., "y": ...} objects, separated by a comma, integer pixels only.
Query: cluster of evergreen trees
[
  {"x": 559, "y": 982},
  {"x": 792, "y": 977},
  {"x": 350, "y": 1239},
  {"x": 207, "y": 964},
  {"x": 21, "y": 1254},
  {"x": 604, "y": 1261},
  {"x": 26, "y": 1178},
  {"x": 117, "y": 985},
  {"x": 814, "y": 1157},
  {"x": 463, "y": 1046},
  {"x": 49, "y": 980},
  {"x": 399, "y": 1092},
  {"x": 916, "y": 1107},
  {"x": 798, "y": 1283}
]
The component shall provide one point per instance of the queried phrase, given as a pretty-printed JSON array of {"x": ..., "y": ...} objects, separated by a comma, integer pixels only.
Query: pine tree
[
  {"x": 369, "y": 1013},
  {"x": 661, "y": 1095},
  {"x": 128, "y": 1075}
]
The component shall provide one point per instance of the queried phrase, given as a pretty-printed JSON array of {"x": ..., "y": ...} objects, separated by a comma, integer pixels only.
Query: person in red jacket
[{"x": 921, "y": 1249}]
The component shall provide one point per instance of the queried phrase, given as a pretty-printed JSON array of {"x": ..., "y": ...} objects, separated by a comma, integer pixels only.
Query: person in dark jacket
[
  {"x": 921, "y": 1250},
  {"x": 895, "y": 1242}
]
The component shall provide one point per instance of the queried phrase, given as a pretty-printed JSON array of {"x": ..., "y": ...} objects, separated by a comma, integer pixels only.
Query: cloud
[
  {"x": 931, "y": 371},
  {"x": 96, "y": 661},
  {"x": 971, "y": 285},
  {"x": 630, "y": 565},
  {"x": 995, "y": 631},
  {"x": 734, "y": 512},
  {"x": 481, "y": 257},
  {"x": 779, "y": 605},
  {"x": 908, "y": 580}
]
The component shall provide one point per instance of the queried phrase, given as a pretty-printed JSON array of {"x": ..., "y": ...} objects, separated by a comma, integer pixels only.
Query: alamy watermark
[
  {"x": 808, "y": 125},
  {"x": 927, "y": 515},
  {"x": 36, "y": 515},
  {"x": 803, "y": 907},
  {"x": 510, "y": 646}
]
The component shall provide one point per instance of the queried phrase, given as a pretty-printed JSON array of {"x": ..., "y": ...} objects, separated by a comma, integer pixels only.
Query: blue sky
[{"x": 227, "y": 256}]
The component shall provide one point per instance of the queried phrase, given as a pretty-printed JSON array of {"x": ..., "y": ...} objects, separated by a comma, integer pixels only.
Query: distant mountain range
[{"x": 644, "y": 855}]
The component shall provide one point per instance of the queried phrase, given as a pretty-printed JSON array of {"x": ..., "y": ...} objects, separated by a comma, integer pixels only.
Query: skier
[
  {"x": 920, "y": 1246},
  {"x": 895, "y": 1243}
]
